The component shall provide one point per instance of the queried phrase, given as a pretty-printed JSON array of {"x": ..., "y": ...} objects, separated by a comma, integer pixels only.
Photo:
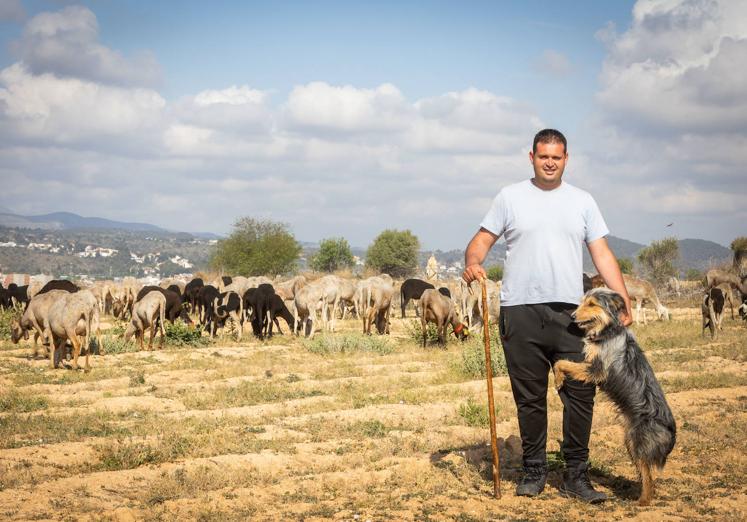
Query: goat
[
  {"x": 378, "y": 303},
  {"x": 148, "y": 312},
  {"x": 642, "y": 291},
  {"x": 69, "y": 317},
  {"x": 58, "y": 284},
  {"x": 34, "y": 317},
  {"x": 439, "y": 309},
  {"x": 174, "y": 303},
  {"x": 412, "y": 289},
  {"x": 307, "y": 301},
  {"x": 712, "y": 309}
]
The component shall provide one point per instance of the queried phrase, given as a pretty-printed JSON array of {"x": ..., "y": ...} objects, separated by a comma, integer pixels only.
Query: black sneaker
[
  {"x": 533, "y": 481},
  {"x": 576, "y": 484}
]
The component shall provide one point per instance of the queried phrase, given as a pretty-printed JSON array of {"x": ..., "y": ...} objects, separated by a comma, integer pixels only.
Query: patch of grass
[
  {"x": 115, "y": 344},
  {"x": 19, "y": 402},
  {"x": 184, "y": 336},
  {"x": 414, "y": 330},
  {"x": 370, "y": 428},
  {"x": 128, "y": 454},
  {"x": 247, "y": 394},
  {"x": 182, "y": 483},
  {"x": 471, "y": 363},
  {"x": 31, "y": 430},
  {"x": 475, "y": 414},
  {"x": 137, "y": 378},
  {"x": 705, "y": 380},
  {"x": 6, "y": 318},
  {"x": 349, "y": 343}
]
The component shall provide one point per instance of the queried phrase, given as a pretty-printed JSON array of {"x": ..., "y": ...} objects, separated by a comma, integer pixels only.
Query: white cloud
[
  {"x": 65, "y": 43},
  {"x": 671, "y": 125},
  {"x": 554, "y": 64}
]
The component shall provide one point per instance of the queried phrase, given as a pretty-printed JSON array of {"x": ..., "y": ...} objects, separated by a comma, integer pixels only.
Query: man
[{"x": 544, "y": 221}]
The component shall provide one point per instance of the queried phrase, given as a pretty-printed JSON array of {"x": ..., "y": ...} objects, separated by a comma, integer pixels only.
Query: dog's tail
[{"x": 652, "y": 440}]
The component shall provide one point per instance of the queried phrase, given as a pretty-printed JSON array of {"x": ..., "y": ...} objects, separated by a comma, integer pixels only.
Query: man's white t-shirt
[{"x": 544, "y": 231}]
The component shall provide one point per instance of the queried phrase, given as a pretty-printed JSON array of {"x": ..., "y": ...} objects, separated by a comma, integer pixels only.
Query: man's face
[{"x": 548, "y": 163}]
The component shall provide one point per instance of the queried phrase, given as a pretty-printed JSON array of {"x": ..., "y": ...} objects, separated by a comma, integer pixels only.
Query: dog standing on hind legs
[{"x": 614, "y": 361}]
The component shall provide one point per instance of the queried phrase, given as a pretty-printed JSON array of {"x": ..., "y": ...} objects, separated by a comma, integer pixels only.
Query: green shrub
[
  {"x": 414, "y": 331},
  {"x": 182, "y": 335},
  {"x": 495, "y": 272},
  {"x": 472, "y": 360},
  {"x": 6, "y": 318},
  {"x": 475, "y": 414},
  {"x": 349, "y": 343}
]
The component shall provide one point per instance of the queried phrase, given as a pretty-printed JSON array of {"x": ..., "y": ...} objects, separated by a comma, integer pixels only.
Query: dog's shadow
[{"x": 477, "y": 458}]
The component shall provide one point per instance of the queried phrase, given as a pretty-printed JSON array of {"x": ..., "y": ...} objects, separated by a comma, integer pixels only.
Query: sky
[{"x": 348, "y": 118}]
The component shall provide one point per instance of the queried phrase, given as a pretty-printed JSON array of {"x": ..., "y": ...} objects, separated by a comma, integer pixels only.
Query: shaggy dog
[{"x": 614, "y": 361}]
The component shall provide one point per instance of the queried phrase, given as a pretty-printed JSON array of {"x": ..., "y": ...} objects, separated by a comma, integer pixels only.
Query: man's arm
[
  {"x": 606, "y": 262},
  {"x": 476, "y": 252}
]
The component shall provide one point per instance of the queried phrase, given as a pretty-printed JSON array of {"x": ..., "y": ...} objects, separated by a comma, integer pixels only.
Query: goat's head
[{"x": 17, "y": 331}]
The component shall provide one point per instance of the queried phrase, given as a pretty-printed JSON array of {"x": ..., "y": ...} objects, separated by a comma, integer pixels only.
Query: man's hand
[
  {"x": 474, "y": 272},
  {"x": 476, "y": 252},
  {"x": 626, "y": 315}
]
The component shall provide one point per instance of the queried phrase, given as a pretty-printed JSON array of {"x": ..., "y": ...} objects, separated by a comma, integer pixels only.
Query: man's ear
[{"x": 531, "y": 156}]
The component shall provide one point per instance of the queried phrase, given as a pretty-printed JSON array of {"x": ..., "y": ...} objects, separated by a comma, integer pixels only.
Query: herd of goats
[{"x": 60, "y": 312}]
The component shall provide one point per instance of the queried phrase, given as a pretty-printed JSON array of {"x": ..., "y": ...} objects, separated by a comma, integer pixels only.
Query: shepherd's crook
[{"x": 491, "y": 403}]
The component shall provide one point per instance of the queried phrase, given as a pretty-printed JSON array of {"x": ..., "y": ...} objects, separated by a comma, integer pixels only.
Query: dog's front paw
[{"x": 559, "y": 378}]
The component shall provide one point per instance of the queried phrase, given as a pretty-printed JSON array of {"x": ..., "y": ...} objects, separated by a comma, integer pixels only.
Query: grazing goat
[
  {"x": 439, "y": 309},
  {"x": 712, "y": 309},
  {"x": 18, "y": 294},
  {"x": 412, "y": 289},
  {"x": 228, "y": 306},
  {"x": 174, "y": 303},
  {"x": 715, "y": 277},
  {"x": 69, "y": 317},
  {"x": 191, "y": 290},
  {"x": 147, "y": 313},
  {"x": 58, "y": 284},
  {"x": 308, "y": 301},
  {"x": 206, "y": 297},
  {"x": 378, "y": 296},
  {"x": 34, "y": 317},
  {"x": 641, "y": 291},
  {"x": 266, "y": 306}
]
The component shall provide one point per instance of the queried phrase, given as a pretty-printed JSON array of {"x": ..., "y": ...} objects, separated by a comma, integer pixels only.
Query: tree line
[{"x": 259, "y": 247}]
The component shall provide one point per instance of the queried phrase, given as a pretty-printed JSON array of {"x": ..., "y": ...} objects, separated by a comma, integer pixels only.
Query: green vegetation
[
  {"x": 349, "y": 343},
  {"x": 182, "y": 335},
  {"x": 334, "y": 254},
  {"x": 658, "y": 260},
  {"x": 495, "y": 272},
  {"x": 6, "y": 318},
  {"x": 256, "y": 247},
  {"x": 394, "y": 252},
  {"x": 16, "y": 401},
  {"x": 472, "y": 360},
  {"x": 694, "y": 274},
  {"x": 476, "y": 414},
  {"x": 414, "y": 329},
  {"x": 626, "y": 265}
]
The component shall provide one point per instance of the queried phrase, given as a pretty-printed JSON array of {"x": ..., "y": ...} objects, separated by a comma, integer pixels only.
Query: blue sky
[{"x": 344, "y": 118}]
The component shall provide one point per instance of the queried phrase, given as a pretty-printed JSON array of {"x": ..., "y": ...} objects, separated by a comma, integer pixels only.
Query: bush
[
  {"x": 182, "y": 335},
  {"x": 475, "y": 414},
  {"x": 394, "y": 252},
  {"x": 6, "y": 318},
  {"x": 349, "y": 343},
  {"x": 334, "y": 254},
  {"x": 472, "y": 360},
  {"x": 495, "y": 272},
  {"x": 625, "y": 264},
  {"x": 693, "y": 274},
  {"x": 658, "y": 260},
  {"x": 414, "y": 331},
  {"x": 256, "y": 247}
]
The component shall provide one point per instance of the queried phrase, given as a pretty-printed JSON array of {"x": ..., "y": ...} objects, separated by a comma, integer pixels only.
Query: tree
[
  {"x": 256, "y": 247},
  {"x": 334, "y": 254},
  {"x": 495, "y": 272},
  {"x": 658, "y": 260},
  {"x": 739, "y": 247},
  {"x": 625, "y": 264},
  {"x": 693, "y": 274},
  {"x": 394, "y": 252}
]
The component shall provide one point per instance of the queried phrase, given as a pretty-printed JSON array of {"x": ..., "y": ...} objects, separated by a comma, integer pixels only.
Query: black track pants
[{"x": 534, "y": 337}]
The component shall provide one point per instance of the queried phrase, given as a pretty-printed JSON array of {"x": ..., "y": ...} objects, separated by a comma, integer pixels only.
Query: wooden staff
[{"x": 491, "y": 402}]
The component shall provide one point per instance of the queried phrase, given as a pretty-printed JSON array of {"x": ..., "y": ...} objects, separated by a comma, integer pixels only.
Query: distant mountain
[
  {"x": 703, "y": 254},
  {"x": 68, "y": 221}
]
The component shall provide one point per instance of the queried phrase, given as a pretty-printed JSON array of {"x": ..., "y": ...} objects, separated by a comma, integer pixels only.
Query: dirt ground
[{"x": 380, "y": 430}]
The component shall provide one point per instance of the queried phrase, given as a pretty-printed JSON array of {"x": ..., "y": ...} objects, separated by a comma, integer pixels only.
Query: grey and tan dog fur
[{"x": 614, "y": 361}]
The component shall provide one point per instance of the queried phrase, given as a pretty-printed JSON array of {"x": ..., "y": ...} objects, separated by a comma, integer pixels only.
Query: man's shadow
[{"x": 478, "y": 458}]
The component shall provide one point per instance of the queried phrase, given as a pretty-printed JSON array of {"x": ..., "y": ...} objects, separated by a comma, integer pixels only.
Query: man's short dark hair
[{"x": 549, "y": 136}]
